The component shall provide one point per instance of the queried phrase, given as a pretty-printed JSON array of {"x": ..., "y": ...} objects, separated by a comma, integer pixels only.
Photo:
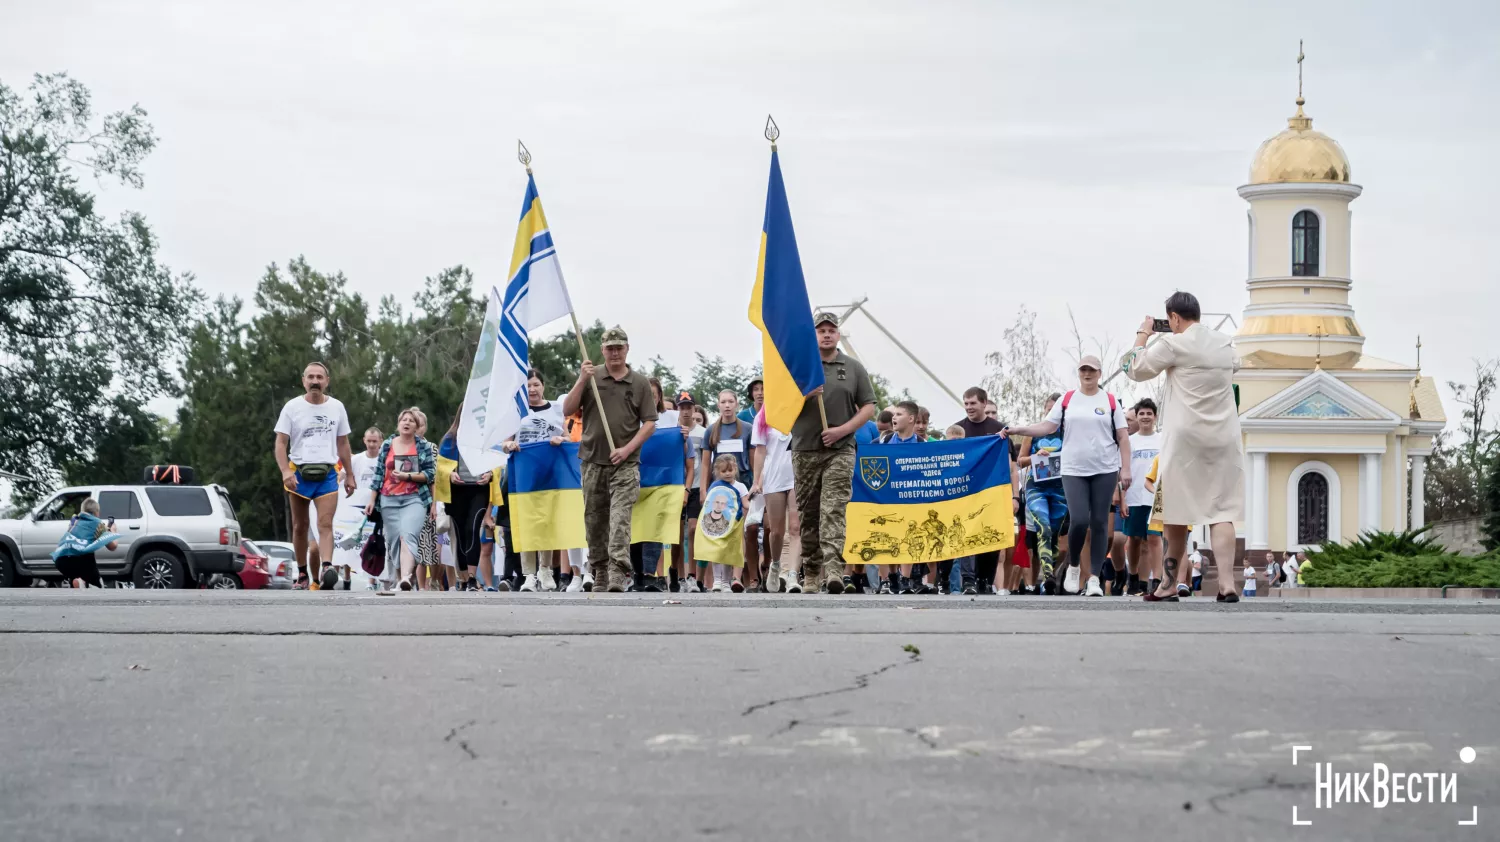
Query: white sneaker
[
  {"x": 690, "y": 585},
  {"x": 791, "y": 582},
  {"x": 545, "y": 580},
  {"x": 1002, "y": 592},
  {"x": 773, "y": 577},
  {"x": 588, "y": 582},
  {"x": 1070, "y": 582},
  {"x": 529, "y": 586},
  {"x": 1094, "y": 589},
  {"x": 576, "y": 586}
]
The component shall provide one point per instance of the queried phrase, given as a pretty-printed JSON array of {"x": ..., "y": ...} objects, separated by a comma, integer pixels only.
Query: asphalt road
[{"x": 256, "y": 716}]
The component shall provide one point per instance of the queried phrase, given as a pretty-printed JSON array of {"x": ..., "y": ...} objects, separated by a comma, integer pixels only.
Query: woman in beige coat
[{"x": 1202, "y": 476}]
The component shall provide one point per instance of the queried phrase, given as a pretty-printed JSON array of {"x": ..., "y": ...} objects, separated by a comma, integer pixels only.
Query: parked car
[
  {"x": 255, "y": 571},
  {"x": 284, "y": 570},
  {"x": 171, "y": 536}
]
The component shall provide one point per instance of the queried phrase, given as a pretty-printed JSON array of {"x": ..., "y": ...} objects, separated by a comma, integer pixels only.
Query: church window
[
  {"x": 1312, "y": 508},
  {"x": 1305, "y": 244}
]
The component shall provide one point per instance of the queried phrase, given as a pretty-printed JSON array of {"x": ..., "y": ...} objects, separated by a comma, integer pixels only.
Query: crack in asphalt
[
  {"x": 462, "y": 744},
  {"x": 861, "y": 681},
  {"x": 1270, "y": 783}
]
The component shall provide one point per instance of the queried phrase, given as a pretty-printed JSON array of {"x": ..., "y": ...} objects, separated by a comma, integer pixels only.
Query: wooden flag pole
[{"x": 524, "y": 155}]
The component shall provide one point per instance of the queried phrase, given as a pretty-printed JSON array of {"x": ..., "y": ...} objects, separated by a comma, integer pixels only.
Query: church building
[{"x": 1336, "y": 440}]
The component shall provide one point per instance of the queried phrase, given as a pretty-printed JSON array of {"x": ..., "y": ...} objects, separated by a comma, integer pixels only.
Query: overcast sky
[{"x": 950, "y": 160}]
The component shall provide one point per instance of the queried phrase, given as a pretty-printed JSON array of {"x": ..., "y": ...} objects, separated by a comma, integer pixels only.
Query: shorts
[
  {"x": 308, "y": 490},
  {"x": 693, "y": 507},
  {"x": 1137, "y": 522}
]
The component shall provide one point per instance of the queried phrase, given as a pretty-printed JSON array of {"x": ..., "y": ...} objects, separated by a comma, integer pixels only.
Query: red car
[{"x": 254, "y": 573}]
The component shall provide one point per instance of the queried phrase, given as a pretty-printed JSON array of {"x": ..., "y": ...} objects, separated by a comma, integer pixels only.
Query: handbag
[
  {"x": 316, "y": 472},
  {"x": 372, "y": 554}
]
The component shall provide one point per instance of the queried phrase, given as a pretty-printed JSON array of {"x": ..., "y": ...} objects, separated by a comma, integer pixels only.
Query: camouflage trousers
[
  {"x": 824, "y": 480},
  {"x": 609, "y": 495}
]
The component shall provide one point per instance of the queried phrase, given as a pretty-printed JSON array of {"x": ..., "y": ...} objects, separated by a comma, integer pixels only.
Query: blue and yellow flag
[
  {"x": 779, "y": 308},
  {"x": 546, "y": 494},
  {"x": 720, "y": 538},
  {"x": 657, "y": 517},
  {"x": 545, "y": 497},
  {"x": 929, "y": 502}
]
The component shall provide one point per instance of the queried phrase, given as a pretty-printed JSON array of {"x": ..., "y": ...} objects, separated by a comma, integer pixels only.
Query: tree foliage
[
  {"x": 1461, "y": 479},
  {"x": 90, "y": 321},
  {"x": 1020, "y": 377}
]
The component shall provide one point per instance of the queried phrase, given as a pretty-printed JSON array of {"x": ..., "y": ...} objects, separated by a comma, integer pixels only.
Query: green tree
[
  {"x": 1492, "y": 497},
  {"x": 89, "y": 319},
  {"x": 129, "y": 439},
  {"x": 557, "y": 360},
  {"x": 712, "y": 375}
]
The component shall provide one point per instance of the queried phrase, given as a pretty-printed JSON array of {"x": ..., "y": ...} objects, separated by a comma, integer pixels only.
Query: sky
[{"x": 952, "y": 161}]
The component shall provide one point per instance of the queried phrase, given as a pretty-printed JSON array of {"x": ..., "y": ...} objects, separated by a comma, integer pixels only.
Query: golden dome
[{"x": 1300, "y": 154}]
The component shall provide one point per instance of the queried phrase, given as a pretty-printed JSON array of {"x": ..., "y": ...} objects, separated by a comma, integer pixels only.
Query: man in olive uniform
[
  {"x": 823, "y": 460},
  {"x": 611, "y": 478}
]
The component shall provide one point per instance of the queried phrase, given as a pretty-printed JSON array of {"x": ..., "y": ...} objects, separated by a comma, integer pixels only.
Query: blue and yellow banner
[
  {"x": 546, "y": 494},
  {"x": 779, "y": 309},
  {"x": 929, "y": 502},
  {"x": 657, "y": 517}
]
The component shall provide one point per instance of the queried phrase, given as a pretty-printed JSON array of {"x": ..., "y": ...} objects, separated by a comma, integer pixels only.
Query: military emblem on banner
[{"x": 875, "y": 471}]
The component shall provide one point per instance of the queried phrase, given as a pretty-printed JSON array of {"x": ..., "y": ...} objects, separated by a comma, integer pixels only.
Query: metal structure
[{"x": 859, "y": 306}]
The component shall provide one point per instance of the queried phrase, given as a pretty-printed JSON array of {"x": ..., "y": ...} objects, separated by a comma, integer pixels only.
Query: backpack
[{"x": 1113, "y": 406}]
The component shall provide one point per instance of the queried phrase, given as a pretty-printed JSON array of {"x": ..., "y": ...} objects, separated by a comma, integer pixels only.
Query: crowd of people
[{"x": 1103, "y": 499}]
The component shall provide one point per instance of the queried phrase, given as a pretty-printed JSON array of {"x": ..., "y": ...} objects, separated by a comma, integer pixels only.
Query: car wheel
[
  {"x": 867, "y": 554},
  {"x": 10, "y": 576},
  {"x": 159, "y": 570},
  {"x": 226, "y": 582}
]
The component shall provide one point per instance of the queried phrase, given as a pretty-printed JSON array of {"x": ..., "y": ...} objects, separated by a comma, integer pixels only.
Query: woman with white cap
[{"x": 1095, "y": 460}]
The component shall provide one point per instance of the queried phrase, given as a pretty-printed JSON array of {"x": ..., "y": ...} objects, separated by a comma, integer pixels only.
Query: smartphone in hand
[{"x": 1161, "y": 326}]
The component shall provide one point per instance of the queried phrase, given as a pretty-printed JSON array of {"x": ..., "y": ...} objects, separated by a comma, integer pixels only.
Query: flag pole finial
[
  {"x": 772, "y": 130},
  {"x": 523, "y": 155}
]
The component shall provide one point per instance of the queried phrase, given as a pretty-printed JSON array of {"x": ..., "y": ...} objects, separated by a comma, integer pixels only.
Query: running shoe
[
  {"x": 544, "y": 579},
  {"x": 502, "y": 585},
  {"x": 907, "y": 587},
  {"x": 1070, "y": 584},
  {"x": 970, "y": 587},
  {"x": 1184, "y": 590},
  {"x": 736, "y": 587},
  {"x": 1093, "y": 587},
  {"x": 835, "y": 586},
  {"x": 792, "y": 585},
  {"x": 850, "y": 585},
  {"x": 926, "y": 589},
  {"x": 774, "y": 575},
  {"x": 575, "y": 586},
  {"x": 1002, "y": 592},
  {"x": 529, "y": 586},
  {"x": 885, "y": 587},
  {"x": 330, "y": 579},
  {"x": 650, "y": 585},
  {"x": 588, "y": 583}
]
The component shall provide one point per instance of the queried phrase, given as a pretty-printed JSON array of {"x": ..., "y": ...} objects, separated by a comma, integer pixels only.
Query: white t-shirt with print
[
  {"x": 1143, "y": 449},
  {"x": 541, "y": 424},
  {"x": 364, "y": 474},
  {"x": 776, "y": 471},
  {"x": 314, "y": 430},
  {"x": 1089, "y": 446}
]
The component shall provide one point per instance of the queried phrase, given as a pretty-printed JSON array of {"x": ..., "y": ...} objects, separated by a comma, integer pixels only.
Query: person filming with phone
[{"x": 1202, "y": 471}]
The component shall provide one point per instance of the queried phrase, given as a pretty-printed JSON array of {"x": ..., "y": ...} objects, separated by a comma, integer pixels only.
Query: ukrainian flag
[
  {"x": 546, "y": 494},
  {"x": 546, "y": 497},
  {"x": 657, "y": 517},
  {"x": 929, "y": 502},
  {"x": 780, "y": 310}
]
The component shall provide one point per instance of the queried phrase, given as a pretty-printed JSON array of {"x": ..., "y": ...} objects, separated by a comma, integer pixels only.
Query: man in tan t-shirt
[{"x": 611, "y": 479}]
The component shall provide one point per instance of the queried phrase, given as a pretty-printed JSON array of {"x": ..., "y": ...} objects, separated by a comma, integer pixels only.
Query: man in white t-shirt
[
  {"x": 1142, "y": 544},
  {"x": 312, "y": 440}
]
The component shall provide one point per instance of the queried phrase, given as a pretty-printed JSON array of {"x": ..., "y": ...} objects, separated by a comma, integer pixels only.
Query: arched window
[
  {"x": 1305, "y": 244},
  {"x": 1312, "y": 508}
]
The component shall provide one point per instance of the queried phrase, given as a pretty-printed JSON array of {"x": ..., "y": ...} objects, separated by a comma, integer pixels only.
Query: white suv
[{"x": 171, "y": 536}]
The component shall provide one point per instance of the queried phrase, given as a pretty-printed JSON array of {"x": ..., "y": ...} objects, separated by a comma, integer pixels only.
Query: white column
[
  {"x": 1418, "y": 492},
  {"x": 1369, "y": 494},
  {"x": 1260, "y": 502}
]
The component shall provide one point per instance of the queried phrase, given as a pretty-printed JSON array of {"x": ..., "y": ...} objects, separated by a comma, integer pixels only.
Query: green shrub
[{"x": 1398, "y": 560}]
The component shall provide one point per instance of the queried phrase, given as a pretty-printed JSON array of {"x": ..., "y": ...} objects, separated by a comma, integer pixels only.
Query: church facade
[{"x": 1335, "y": 440}]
